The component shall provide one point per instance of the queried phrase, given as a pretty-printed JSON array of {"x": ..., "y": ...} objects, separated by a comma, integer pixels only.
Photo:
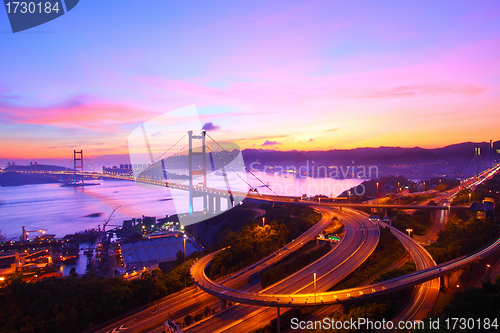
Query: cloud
[
  {"x": 210, "y": 127},
  {"x": 270, "y": 143},
  {"x": 77, "y": 112},
  {"x": 431, "y": 90},
  {"x": 330, "y": 130},
  {"x": 311, "y": 140}
]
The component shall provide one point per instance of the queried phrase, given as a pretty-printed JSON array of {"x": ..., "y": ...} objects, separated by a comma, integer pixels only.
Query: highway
[
  {"x": 425, "y": 295},
  {"x": 188, "y": 301},
  {"x": 229, "y": 288},
  {"x": 348, "y": 295},
  {"x": 359, "y": 242}
]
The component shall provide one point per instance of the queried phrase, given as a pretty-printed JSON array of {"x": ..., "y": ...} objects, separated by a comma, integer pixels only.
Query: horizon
[
  {"x": 110, "y": 162},
  {"x": 310, "y": 77}
]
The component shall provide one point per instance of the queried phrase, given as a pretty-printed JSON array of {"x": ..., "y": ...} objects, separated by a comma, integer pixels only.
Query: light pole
[
  {"x": 398, "y": 192},
  {"x": 409, "y": 236},
  {"x": 263, "y": 221},
  {"x": 470, "y": 195},
  {"x": 377, "y": 197},
  {"x": 319, "y": 199},
  {"x": 314, "y": 274},
  {"x": 349, "y": 193}
]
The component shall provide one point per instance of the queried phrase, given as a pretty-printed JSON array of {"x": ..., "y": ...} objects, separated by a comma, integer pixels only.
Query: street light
[
  {"x": 377, "y": 197},
  {"x": 349, "y": 193},
  {"x": 314, "y": 274},
  {"x": 409, "y": 231},
  {"x": 470, "y": 194},
  {"x": 263, "y": 221}
]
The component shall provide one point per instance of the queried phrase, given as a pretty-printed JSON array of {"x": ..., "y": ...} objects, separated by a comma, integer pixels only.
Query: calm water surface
[{"x": 64, "y": 210}]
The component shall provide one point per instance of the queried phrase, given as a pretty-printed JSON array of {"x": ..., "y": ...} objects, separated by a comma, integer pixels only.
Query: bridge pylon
[
  {"x": 197, "y": 172},
  {"x": 77, "y": 164}
]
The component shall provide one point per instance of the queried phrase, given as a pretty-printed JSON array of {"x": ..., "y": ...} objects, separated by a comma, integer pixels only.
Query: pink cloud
[{"x": 80, "y": 111}]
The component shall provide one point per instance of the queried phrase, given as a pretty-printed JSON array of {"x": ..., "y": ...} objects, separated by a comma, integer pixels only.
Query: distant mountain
[
  {"x": 373, "y": 156},
  {"x": 454, "y": 160}
]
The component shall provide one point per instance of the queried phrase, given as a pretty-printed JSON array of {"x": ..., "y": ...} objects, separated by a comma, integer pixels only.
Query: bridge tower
[
  {"x": 478, "y": 156},
  {"x": 197, "y": 171},
  {"x": 77, "y": 164}
]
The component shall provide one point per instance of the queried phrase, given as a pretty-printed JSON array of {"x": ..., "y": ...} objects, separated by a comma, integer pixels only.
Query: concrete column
[
  {"x": 205, "y": 203},
  {"x": 223, "y": 304},
  {"x": 345, "y": 308},
  {"x": 211, "y": 203},
  {"x": 190, "y": 166},
  {"x": 278, "y": 325},
  {"x": 217, "y": 204},
  {"x": 446, "y": 281}
]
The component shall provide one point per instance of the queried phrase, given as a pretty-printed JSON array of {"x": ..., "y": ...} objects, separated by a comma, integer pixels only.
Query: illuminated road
[
  {"x": 425, "y": 295},
  {"x": 360, "y": 240},
  {"x": 186, "y": 302},
  {"x": 347, "y": 295}
]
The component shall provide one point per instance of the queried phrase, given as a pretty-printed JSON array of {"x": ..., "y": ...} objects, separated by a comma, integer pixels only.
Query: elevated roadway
[
  {"x": 360, "y": 240},
  {"x": 347, "y": 295},
  {"x": 190, "y": 300}
]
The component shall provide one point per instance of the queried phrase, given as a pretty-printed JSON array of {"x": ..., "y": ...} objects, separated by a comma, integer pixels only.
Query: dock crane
[
  {"x": 102, "y": 236},
  {"x": 26, "y": 232},
  {"x": 109, "y": 219}
]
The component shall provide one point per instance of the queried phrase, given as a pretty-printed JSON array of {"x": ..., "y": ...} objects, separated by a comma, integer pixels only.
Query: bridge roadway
[
  {"x": 183, "y": 303},
  {"x": 340, "y": 296},
  {"x": 424, "y": 296},
  {"x": 250, "y": 195},
  {"x": 360, "y": 240}
]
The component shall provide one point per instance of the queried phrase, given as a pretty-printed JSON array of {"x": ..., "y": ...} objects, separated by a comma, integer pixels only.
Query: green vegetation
[
  {"x": 278, "y": 273},
  {"x": 420, "y": 222},
  {"x": 462, "y": 198},
  {"x": 407, "y": 268},
  {"x": 384, "y": 308},
  {"x": 74, "y": 305},
  {"x": 388, "y": 250},
  {"x": 410, "y": 199},
  {"x": 472, "y": 303},
  {"x": 443, "y": 184},
  {"x": 460, "y": 237},
  {"x": 254, "y": 242},
  {"x": 476, "y": 302}
]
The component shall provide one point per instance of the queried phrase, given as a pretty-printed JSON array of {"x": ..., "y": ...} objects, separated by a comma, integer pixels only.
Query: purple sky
[{"x": 281, "y": 75}]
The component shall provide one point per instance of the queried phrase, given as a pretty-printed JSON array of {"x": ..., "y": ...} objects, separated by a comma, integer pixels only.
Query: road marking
[{"x": 119, "y": 329}]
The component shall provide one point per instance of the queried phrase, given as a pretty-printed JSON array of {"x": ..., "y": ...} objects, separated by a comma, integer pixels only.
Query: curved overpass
[
  {"x": 359, "y": 241},
  {"x": 347, "y": 295},
  {"x": 424, "y": 296}
]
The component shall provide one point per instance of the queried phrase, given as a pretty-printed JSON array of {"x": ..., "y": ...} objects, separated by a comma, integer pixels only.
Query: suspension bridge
[{"x": 211, "y": 172}]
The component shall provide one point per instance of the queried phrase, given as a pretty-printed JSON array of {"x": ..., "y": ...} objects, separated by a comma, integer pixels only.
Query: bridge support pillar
[
  {"x": 229, "y": 203},
  {"x": 278, "y": 324},
  {"x": 345, "y": 308},
  {"x": 211, "y": 203},
  {"x": 223, "y": 304},
  {"x": 446, "y": 281},
  {"x": 217, "y": 204}
]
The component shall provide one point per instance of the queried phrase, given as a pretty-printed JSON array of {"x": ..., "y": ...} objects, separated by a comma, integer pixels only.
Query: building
[
  {"x": 155, "y": 252},
  {"x": 482, "y": 210}
]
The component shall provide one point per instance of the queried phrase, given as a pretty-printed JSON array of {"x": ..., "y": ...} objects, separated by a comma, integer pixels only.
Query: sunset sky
[{"x": 307, "y": 75}]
